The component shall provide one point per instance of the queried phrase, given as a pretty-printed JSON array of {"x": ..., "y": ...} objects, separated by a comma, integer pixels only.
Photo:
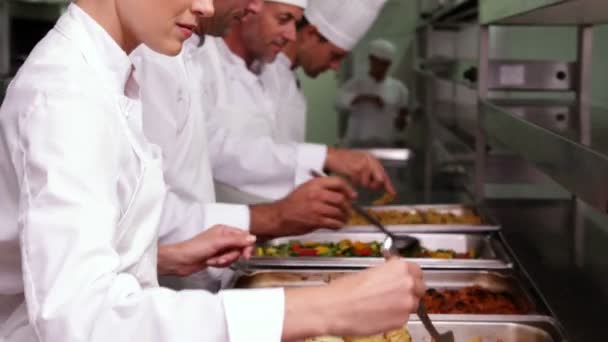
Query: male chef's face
[
  {"x": 164, "y": 25},
  {"x": 316, "y": 54},
  {"x": 227, "y": 12},
  {"x": 378, "y": 68},
  {"x": 267, "y": 33}
]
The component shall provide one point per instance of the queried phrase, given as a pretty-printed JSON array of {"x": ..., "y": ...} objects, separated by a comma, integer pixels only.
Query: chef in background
[
  {"x": 376, "y": 104},
  {"x": 238, "y": 101},
  {"x": 328, "y": 31}
]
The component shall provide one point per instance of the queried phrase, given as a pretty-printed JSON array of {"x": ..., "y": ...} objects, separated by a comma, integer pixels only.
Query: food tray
[
  {"x": 488, "y": 223},
  {"x": 539, "y": 329},
  {"x": 491, "y": 254},
  {"x": 495, "y": 281}
]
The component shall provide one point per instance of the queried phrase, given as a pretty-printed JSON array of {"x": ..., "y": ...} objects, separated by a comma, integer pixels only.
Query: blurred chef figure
[
  {"x": 376, "y": 104},
  {"x": 326, "y": 34},
  {"x": 238, "y": 100}
]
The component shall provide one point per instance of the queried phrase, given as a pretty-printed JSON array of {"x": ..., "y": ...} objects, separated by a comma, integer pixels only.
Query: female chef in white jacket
[{"x": 84, "y": 191}]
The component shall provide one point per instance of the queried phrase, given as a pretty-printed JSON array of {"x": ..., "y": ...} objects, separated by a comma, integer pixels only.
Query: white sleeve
[
  {"x": 346, "y": 95},
  {"x": 75, "y": 284},
  {"x": 242, "y": 161}
]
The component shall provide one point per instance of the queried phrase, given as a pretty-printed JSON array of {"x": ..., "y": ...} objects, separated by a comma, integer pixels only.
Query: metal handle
[{"x": 426, "y": 321}]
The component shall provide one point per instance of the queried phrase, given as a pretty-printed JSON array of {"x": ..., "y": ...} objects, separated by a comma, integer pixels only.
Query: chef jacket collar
[
  {"x": 239, "y": 67},
  {"x": 98, "y": 48}
]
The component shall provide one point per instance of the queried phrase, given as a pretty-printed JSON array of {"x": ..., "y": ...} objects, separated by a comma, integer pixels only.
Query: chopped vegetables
[{"x": 348, "y": 248}]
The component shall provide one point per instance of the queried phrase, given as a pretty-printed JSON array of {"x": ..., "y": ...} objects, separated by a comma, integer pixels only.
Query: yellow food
[
  {"x": 400, "y": 335},
  {"x": 398, "y": 217},
  {"x": 378, "y": 338},
  {"x": 325, "y": 339},
  {"x": 385, "y": 199}
]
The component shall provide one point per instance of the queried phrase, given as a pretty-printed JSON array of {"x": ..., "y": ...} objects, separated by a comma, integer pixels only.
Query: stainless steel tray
[
  {"x": 496, "y": 281},
  {"x": 539, "y": 329},
  {"x": 491, "y": 254},
  {"x": 488, "y": 223}
]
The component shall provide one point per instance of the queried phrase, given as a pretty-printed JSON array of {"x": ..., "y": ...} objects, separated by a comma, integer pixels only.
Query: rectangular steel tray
[
  {"x": 491, "y": 253},
  {"x": 539, "y": 329},
  {"x": 496, "y": 281},
  {"x": 488, "y": 223}
]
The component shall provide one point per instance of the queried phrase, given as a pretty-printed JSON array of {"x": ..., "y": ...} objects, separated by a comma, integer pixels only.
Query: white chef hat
[
  {"x": 343, "y": 22},
  {"x": 382, "y": 49},
  {"x": 299, "y": 3}
]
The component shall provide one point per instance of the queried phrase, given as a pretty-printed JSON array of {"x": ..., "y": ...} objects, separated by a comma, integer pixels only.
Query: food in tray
[
  {"x": 468, "y": 300},
  {"x": 348, "y": 248},
  {"x": 400, "y": 217},
  {"x": 385, "y": 199},
  {"x": 400, "y": 335},
  {"x": 475, "y": 300},
  {"x": 287, "y": 279}
]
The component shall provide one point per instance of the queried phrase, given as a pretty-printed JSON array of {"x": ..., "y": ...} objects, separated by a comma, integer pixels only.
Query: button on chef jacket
[
  {"x": 367, "y": 122},
  {"x": 248, "y": 164},
  {"x": 82, "y": 196},
  {"x": 289, "y": 101}
]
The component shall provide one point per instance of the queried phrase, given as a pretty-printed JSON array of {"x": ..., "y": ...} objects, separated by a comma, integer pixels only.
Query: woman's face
[{"x": 162, "y": 25}]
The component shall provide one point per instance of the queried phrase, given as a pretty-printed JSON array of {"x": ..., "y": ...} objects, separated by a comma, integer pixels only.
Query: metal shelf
[
  {"x": 459, "y": 119},
  {"x": 581, "y": 169},
  {"x": 543, "y": 12},
  {"x": 450, "y": 70},
  {"x": 453, "y": 16}
]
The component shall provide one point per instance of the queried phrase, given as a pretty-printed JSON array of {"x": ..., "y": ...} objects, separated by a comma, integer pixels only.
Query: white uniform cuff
[
  {"x": 233, "y": 215},
  {"x": 254, "y": 315},
  {"x": 309, "y": 157}
]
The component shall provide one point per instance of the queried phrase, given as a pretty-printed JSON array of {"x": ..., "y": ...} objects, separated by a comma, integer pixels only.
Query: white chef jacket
[
  {"x": 175, "y": 121},
  {"x": 289, "y": 100},
  {"x": 247, "y": 162},
  {"x": 367, "y": 122},
  {"x": 82, "y": 196}
]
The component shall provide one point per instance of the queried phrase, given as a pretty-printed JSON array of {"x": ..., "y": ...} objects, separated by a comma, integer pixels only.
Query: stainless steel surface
[
  {"x": 488, "y": 223},
  {"x": 563, "y": 159},
  {"x": 558, "y": 116},
  {"x": 584, "y": 90},
  {"x": 480, "y": 132},
  {"x": 543, "y": 12},
  {"x": 490, "y": 252},
  {"x": 531, "y": 75},
  {"x": 450, "y": 14},
  {"x": 497, "y": 281},
  {"x": 449, "y": 70},
  {"x": 429, "y": 87},
  {"x": 5, "y": 33},
  {"x": 541, "y": 330}
]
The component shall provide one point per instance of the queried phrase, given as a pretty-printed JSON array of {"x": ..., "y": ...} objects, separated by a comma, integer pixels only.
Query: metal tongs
[{"x": 391, "y": 247}]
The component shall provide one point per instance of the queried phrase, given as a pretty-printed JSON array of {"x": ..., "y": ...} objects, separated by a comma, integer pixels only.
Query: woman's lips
[{"x": 186, "y": 30}]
